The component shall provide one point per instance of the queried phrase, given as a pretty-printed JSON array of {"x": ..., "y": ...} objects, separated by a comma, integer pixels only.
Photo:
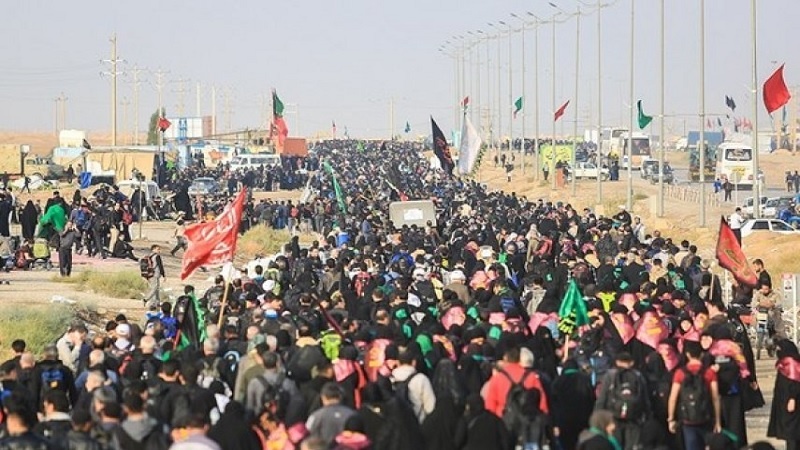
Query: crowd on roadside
[{"x": 505, "y": 323}]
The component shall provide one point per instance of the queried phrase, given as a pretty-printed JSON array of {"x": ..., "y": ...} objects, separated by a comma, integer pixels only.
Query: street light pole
[
  {"x": 661, "y": 123},
  {"x": 553, "y": 142},
  {"x": 499, "y": 91},
  {"x": 754, "y": 131},
  {"x": 599, "y": 103},
  {"x": 701, "y": 146},
  {"x": 524, "y": 99},
  {"x": 577, "y": 79},
  {"x": 510, "y": 96},
  {"x": 536, "y": 152},
  {"x": 630, "y": 116}
]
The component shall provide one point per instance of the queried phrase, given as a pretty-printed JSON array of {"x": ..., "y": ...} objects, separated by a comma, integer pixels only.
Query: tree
[{"x": 152, "y": 130}]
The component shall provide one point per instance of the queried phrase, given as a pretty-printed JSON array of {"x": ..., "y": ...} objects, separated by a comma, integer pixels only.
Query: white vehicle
[
  {"x": 150, "y": 189},
  {"x": 588, "y": 170},
  {"x": 735, "y": 163},
  {"x": 775, "y": 205},
  {"x": 767, "y": 225},
  {"x": 255, "y": 161},
  {"x": 747, "y": 206},
  {"x": 641, "y": 149}
]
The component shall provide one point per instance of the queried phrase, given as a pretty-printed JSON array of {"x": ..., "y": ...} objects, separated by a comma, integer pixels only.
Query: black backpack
[
  {"x": 52, "y": 379},
  {"x": 517, "y": 404},
  {"x": 402, "y": 393},
  {"x": 625, "y": 395},
  {"x": 146, "y": 267},
  {"x": 154, "y": 440},
  {"x": 274, "y": 397},
  {"x": 694, "y": 399}
]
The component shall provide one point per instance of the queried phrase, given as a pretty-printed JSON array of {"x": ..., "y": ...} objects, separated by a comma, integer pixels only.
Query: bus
[
  {"x": 640, "y": 149},
  {"x": 735, "y": 163}
]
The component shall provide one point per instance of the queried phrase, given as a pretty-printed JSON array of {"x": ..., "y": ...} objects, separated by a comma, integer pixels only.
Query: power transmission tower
[
  {"x": 181, "y": 91},
  {"x": 136, "y": 82}
]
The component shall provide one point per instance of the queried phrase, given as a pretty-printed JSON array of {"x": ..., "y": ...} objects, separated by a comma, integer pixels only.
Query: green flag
[
  {"x": 277, "y": 105},
  {"x": 408, "y": 127},
  {"x": 193, "y": 325},
  {"x": 572, "y": 312},
  {"x": 336, "y": 188},
  {"x": 643, "y": 119},
  {"x": 517, "y": 106}
]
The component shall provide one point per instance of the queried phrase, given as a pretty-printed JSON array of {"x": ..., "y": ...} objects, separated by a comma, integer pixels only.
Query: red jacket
[{"x": 499, "y": 385}]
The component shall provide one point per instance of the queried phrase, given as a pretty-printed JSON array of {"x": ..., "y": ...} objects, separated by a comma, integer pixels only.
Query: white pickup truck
[{"x": 588, "y": 170}]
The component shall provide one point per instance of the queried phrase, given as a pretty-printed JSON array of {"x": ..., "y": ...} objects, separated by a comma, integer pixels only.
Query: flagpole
[
  {"x": 754, "y": 128},
  {"x": 222, "y": 305},
  {"x": 522, "y": 146}
]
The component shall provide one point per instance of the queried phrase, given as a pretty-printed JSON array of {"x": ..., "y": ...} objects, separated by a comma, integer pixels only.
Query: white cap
[
  {"x": 268, "y": 285},
  {"x": 123, "y": 329},
  {"x": 457, "y": 275}
]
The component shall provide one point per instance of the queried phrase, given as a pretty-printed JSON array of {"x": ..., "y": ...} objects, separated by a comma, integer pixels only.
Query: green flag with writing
[{"x": 572, "y": 312}]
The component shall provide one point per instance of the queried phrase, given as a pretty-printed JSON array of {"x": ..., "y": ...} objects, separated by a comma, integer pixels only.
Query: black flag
[
  {"x": 441, "y": 149},
  {"x": 730, "y": 103},
  {"x": 86, "y": 145}
]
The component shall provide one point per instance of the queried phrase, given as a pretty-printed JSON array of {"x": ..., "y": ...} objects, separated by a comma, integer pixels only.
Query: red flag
[
  {"x": 213, "y": 242},
  {"x": 560, "y": 111},
  {"x": 280, "y": 130},
  {"x": 163, "y": 124},
  {"x": 776, "y": 94},
  {"x": 731, "y": 257},
  {"x": 708, "y": 123},
  {"x": 465, "y": 102}
]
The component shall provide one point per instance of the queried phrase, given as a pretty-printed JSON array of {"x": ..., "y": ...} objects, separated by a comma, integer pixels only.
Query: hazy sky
[{"x": 344, "y": 60}]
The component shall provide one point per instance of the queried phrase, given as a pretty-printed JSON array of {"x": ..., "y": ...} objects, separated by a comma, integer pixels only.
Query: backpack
[
  {"x": 517, "y": 402},
  {"x": 209, "y": 373},
  {"x": 507, "y": 302},
  {"x": 402, "y": 392},
  {"x": 330, "y": 341},
  {"x": 170, "y": 326},
  {"x": 127, "y": 217},
  {"x": 146, "y": 267},
  {"x": 694, "y": 399},
  {"x": 52, "y": 380},
  {"x": 231, "y": 360},
  {"x": 361, "y": 282},
  {"x": 154, "y": 440},
  {"x": 274, "y": 397},
  {"x": 625, "y": 395}
]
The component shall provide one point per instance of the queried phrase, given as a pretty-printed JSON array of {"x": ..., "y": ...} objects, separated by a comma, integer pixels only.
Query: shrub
[
  {"x": 37, "y": 325},
  {"x": 261, "y": 240},
  {"x": 123, "y": 284}
]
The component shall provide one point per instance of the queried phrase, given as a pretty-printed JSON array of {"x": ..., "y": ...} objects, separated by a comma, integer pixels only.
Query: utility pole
[
  {"x": 181, "y": 91},
  {"x": 60, "y": 113},
  {"x": 126, "y": 103},
  {"x": 553, "y": 141},
  {"x": 160, "y": 83},
  {"x": 113, "y": 73},
  {"x": 227, "y": 108},
  {"x": 599, "y": 101},
  {"x": 197, "y": 100},
  {"x": 136, "y": 81},
  {"x": 213, "y": 110}
]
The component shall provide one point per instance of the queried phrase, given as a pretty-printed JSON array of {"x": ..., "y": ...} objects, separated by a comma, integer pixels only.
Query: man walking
[
  {"x": 154, "y": 274},
  {"x": 69, "y": 237}
]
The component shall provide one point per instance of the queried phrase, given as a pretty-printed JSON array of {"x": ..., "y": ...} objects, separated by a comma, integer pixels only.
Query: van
[{"x": 255, "y": 161}]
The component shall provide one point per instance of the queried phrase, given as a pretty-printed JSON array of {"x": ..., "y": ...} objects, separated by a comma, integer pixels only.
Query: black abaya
[{"x": 28, "y": 220}]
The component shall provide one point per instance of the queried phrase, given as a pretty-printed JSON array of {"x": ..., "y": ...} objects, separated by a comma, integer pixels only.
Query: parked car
[
  {"x": 588, "y": 170},
  {"x": 767, "y": 225},
  {"x": 775, "y": 205},
  {"x": 649, "y": 167},
  {"x": 203, "y": 186},
  {"x": 747, "y": 206}
]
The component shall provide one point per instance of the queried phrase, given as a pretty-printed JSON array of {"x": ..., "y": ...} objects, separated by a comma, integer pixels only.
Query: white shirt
[{"x": 736, "y": 221}]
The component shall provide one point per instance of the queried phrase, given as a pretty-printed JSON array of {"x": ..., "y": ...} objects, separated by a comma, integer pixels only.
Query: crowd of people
[{"x": 505, "y": 323}]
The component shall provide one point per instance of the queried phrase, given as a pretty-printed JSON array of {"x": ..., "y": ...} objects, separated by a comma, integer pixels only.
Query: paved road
[{"x": 757, "y": 420}]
